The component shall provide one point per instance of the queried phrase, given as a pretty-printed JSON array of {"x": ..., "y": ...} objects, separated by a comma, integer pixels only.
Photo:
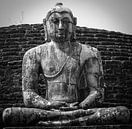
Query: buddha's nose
[{"x": 61, "y": 26}]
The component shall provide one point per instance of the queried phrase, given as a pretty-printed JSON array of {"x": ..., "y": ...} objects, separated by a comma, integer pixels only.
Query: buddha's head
[{"x": 59, "y": 24}]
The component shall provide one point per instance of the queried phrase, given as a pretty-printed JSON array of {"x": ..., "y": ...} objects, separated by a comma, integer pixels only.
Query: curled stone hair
[{"x": 59, "y": 8}]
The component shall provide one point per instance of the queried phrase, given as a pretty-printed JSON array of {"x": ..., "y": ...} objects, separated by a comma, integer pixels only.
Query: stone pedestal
[{"x": 126, "y": 126}]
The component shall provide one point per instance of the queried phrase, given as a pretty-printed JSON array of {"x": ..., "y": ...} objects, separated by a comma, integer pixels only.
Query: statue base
[{"x": 125, "y": 126}]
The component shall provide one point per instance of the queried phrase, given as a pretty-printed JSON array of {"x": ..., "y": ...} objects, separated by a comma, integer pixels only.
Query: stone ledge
[{"x": 77, "y": 127}]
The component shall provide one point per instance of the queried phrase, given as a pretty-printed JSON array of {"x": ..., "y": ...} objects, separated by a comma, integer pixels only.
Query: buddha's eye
[
  {"x": 66, "y": 21},
  {"x": 55, "y": 21}
]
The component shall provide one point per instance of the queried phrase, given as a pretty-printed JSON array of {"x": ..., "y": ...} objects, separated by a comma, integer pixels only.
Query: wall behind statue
[{"x": 115, "y": 48}]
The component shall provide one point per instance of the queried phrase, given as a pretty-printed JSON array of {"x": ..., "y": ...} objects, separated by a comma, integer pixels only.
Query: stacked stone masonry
[{"x": 115, "y": 48}]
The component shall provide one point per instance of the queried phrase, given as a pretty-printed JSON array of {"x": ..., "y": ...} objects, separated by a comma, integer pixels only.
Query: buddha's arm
[
  {"x": 30, "y": 81},
  {"x": 93, "y": 75},
  {"x": 30, "y": 70}
]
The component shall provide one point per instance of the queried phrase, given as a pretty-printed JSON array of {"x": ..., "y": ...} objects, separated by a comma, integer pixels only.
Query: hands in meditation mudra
[{"x": 71, "y": 70}]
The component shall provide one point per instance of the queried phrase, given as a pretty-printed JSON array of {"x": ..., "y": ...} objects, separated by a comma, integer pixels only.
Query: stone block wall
[{"x": 115, "y": 48}]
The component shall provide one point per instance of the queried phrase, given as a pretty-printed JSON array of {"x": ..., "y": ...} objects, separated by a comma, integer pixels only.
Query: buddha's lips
[{"x": 61, "y": 34}]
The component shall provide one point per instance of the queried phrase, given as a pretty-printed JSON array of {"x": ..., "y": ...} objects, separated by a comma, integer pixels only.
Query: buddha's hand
[
  {"x": 57, "y": 104},
  {"x": 70, "y": 107},
  {"x": 75, "y": 104},
  {"x": 84, "y": 105}
]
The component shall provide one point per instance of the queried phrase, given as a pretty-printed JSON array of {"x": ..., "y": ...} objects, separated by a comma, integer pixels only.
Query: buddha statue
[{"x": 74, "y": 80}]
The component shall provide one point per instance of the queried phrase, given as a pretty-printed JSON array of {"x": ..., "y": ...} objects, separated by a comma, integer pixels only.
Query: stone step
[{"x": 125, "y": 126}]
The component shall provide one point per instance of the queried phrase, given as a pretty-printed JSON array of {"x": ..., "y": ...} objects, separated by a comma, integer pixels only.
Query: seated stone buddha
[{"x": 74, "y": 80}]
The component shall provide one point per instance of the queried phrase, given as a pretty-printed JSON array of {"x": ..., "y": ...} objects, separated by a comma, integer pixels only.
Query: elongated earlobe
[
  {"x": 73, "y": 37},
  {"x": 75, "y": 20},
  {"x": 47, "y": 38}
]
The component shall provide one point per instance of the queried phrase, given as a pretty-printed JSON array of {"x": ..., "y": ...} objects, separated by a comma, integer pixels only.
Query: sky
[{"x": 113, "y": 15}]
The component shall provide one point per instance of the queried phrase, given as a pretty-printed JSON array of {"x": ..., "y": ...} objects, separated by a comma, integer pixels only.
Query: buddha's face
[{"x": 60, "y": 27}]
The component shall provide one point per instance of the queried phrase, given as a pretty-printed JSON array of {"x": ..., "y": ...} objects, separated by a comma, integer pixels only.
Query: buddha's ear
[
  {"x": 73, "y": 37},
  {"x": 44, "y": 21},
  {"x": 47, "y": 38},
  {"x": 75, "y": 20}
]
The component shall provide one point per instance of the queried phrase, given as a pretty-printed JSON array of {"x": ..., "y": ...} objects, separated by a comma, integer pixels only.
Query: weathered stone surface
[
  {"x": 116, "y": 54},
  {"x": 117, "y": 72},
  {"x": 73, "y": 74},
  {"x": 77, "y": 127},
  {"x": 23, "y": 116}
]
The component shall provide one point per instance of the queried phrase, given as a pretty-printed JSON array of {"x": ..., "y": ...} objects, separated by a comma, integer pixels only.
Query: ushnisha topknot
[{"x": 59, "y": 8}]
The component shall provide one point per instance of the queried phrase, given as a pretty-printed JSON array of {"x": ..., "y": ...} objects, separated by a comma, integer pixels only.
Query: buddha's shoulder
[
  {"x": 42, "y": 48},
  {"x": 37, "y": 50},
  {"x": 87, "y": 49},
  {"x": 88, "y": 52}
]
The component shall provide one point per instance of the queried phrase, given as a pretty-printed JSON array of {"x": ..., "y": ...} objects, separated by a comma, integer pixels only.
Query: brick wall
[{"x": 115, "y": 48}]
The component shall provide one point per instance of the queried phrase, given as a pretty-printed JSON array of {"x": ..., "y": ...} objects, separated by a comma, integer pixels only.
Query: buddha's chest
[{"x": 54, "y": 65}]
